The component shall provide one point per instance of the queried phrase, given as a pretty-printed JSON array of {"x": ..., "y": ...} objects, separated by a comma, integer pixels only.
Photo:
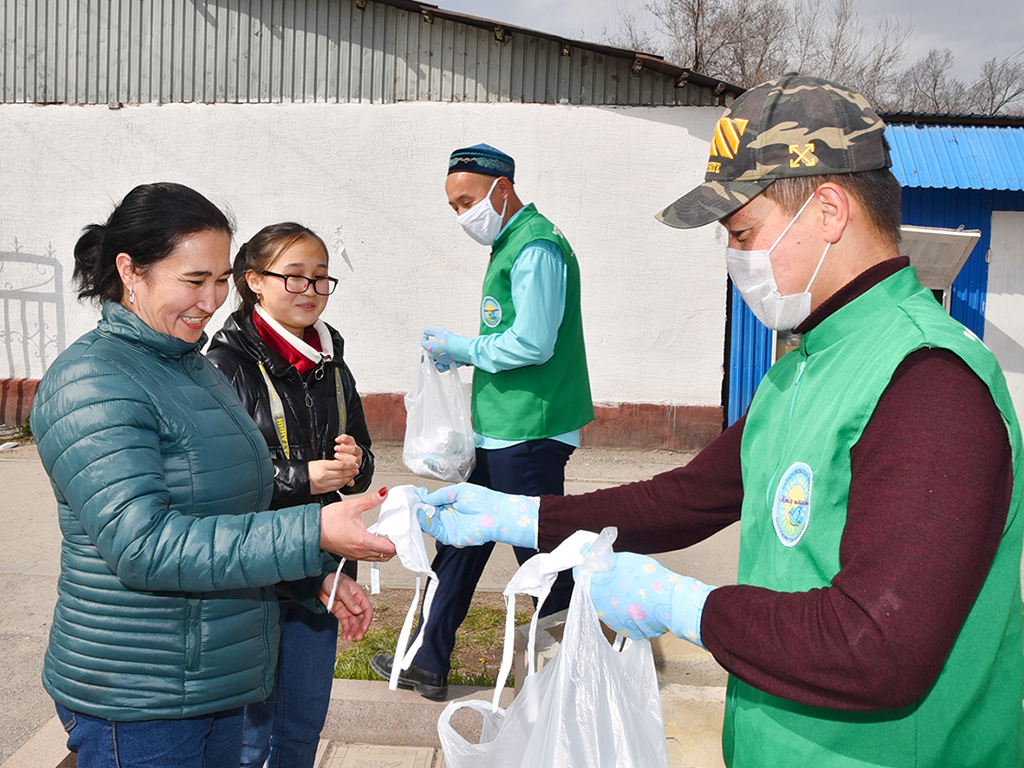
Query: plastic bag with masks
[
  {"x": 438, "y": 425},
  {"x": 593, "y": 704}
]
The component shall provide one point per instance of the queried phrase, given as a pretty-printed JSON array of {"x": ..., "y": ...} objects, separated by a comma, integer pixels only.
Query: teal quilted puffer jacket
[{"x": 166, "y": 606}]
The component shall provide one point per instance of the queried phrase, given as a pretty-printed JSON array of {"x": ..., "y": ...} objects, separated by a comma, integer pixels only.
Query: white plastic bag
[
  {"x": 438, "y": 425},
  {"x": 591, "y": 705}
]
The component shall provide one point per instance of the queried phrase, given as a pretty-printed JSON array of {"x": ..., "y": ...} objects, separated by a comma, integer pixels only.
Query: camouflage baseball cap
[{"x": 793, "y": 126}]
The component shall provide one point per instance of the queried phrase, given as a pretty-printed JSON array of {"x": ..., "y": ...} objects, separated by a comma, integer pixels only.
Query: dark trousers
[{"x": 532, "y": 468}]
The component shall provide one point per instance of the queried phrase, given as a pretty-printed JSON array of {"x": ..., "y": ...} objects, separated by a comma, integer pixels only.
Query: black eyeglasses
[{"x": 298, "y": 284}]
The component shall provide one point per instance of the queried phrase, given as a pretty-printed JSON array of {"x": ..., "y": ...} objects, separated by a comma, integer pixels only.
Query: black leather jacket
[{"x": 310, "y": 405}]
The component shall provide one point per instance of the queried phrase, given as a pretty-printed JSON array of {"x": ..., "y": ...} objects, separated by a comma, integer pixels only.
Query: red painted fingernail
[{"x": 382, "y": 492}]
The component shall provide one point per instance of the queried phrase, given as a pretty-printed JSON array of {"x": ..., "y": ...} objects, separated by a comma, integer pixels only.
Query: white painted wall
[
  {"x": 369, "y": 179},
  {"x": 1004, "y": 320}
]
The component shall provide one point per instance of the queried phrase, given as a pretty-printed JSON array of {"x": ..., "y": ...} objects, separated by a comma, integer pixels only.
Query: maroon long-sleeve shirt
[{"x": 929, "y": 495}]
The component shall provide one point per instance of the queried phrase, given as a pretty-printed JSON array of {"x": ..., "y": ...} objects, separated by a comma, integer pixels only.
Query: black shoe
[{"x": 429, "y": 685}]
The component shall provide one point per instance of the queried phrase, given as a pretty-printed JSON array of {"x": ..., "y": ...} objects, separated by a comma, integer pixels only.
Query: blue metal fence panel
[
  {"x": 750, "y": 356},
  {"x": 958, "y": 156}
]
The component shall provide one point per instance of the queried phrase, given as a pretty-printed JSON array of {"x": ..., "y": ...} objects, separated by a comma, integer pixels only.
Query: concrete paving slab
[
  {"x": 26, "y": 604},
  {"x": 693, "y": 725},
  {"x": 46, "y": 749},
  {"x": 29, "y": 532},
  {"x": 29, "y": 566},
  {"x": 365, "y": 711},
  {"x": 16, "y": 567},
  {"x": 682, "y": 662},
  {"x": 693, "y": 719},
  {"x": 362, "y": 756}
]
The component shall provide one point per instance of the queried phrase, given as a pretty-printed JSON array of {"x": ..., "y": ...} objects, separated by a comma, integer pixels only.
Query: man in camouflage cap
[{"x": 877, "y": 476}]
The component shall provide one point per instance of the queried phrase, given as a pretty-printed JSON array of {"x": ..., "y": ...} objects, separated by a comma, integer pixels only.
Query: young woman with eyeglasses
[{"x": 287, "y": 366}]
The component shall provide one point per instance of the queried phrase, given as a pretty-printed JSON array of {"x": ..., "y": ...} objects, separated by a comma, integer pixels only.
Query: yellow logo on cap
[
  {"x": 804, "y": 156},
  {"x": 727, "y": 137}
]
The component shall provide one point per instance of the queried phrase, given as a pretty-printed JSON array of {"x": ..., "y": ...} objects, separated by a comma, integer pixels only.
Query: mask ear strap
[
  {"x": 791, "y": 223},
  {"x": 816, "y": 269},
  {"x": 505, "y": 206},
  {"x": 491, "y": 190},
  {"x": 402, "y": 656}
]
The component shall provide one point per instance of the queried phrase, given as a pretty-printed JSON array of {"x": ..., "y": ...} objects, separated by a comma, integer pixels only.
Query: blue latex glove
[
  {"x": 639, "y": 597},
  {"x": 446, "y": 348},
  {"x": 466, "y": 515}
]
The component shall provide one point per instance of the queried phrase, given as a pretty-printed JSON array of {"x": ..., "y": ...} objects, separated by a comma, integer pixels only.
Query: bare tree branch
[
  {"x": 632, "y": 34},
  {"x": 693, "y": 29},
  {"x": 926, "y": 86},
  {"x": 758, "y": 41},
  {"x": 809, "y": 17},
  {"x": 746, "y": 42},
  {"x": 879, "y": 68},
  {"x": 1000, "y": 86}
]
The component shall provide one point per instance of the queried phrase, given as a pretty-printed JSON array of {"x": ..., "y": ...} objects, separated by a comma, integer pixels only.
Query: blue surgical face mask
[
  {"x": 751, "y": 272},
  {"x": 482, "y": 222}
]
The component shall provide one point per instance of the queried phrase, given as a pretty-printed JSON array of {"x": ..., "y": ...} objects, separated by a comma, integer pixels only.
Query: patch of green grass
[
  {"x": 354, "y": 663},
  {"x": 484, "y": 678},
  {"x": 482, "y": 632},
  {"x": 25, "y": 432},
  {"x": 481, "y": 618}
]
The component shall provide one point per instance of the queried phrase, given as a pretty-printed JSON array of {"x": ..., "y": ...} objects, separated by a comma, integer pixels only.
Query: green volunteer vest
[
  {"x": 536, "y": 401},
  {"x": 807, "y": 414}
]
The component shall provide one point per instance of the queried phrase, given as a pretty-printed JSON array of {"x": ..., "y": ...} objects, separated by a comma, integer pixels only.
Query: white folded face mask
[
  {"x": 752, "y": 273},
  {"x": 397, "y": 521},
  {"x": 482, "y": 222}
]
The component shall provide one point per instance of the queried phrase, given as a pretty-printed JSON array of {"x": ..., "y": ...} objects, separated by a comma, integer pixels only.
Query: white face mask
[
  {"x": 482, "y": 222},
  {"x": 752, "y": 273}
]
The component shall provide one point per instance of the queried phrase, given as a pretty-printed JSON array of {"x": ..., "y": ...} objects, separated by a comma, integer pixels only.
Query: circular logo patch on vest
[
  {"x": 490, "y": 311},
  {"x": 792, "y": 507}
]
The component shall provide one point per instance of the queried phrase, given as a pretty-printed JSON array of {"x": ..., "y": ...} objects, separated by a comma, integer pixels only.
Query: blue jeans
[
  {"x": 208, "y": 741},
  {"x": 285, "y": 729}
]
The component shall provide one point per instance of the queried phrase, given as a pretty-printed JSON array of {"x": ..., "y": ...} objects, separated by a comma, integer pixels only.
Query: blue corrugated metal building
[{"x": 955, "y": 172}]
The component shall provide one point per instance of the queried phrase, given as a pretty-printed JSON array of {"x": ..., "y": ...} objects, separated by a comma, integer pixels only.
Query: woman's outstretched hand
[{"x": 342, "y": 531}]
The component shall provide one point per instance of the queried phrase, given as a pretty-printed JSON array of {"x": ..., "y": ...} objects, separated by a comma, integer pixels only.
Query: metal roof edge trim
[
  {"x": 647, "y": 60},
  {"x": 928, "y": 119}
]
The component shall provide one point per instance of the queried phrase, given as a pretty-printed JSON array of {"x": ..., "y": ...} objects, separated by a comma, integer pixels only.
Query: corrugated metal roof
[
  {"x": 334, "y": 51},
  {"x": 958, "y": 156}
]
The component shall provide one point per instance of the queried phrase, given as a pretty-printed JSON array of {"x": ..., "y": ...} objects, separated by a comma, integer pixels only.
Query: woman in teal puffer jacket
[{"x": 166, "y": 621}]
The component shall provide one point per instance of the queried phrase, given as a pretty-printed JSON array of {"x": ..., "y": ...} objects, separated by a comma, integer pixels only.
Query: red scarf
[{"x": 279, "y": 344}]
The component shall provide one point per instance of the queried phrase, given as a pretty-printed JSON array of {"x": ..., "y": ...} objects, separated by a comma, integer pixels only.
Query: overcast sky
[{"x": 974, "y": 31}]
